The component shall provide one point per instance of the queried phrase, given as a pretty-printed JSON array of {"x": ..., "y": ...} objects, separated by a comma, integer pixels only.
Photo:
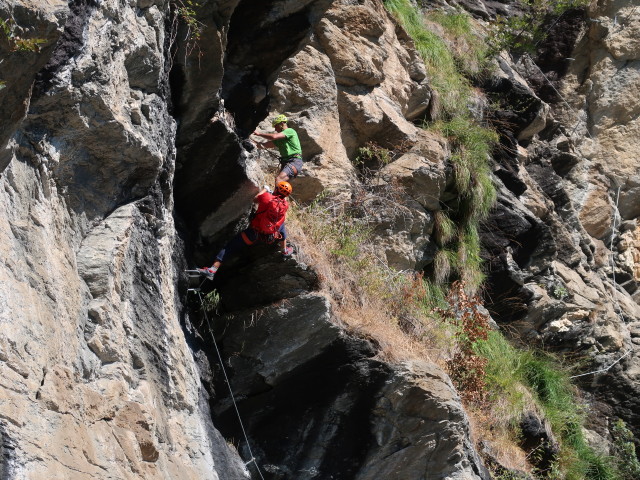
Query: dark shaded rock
[
  {"x": 70, "y": 43},
  {"x": 553, "y": 56},
  {"x": 335, "y": 410},
  {"x": 211, "y": 187},
  {"x": 299, "y": 380},
  {"x": 7, "y": 454},
  {"x": 538, "y": 440},
  {"x": 197, "y": 68},
  {"x": 518, "y": 112},
  {"x": 255, "y": 50},
  {"x": 511, "y": 180},
  {"x": 554, "y": 51},
  {"x": 508, "y": 227},
  {"x": 563, "y": 162},
  {"x": 260, "y": 275}
]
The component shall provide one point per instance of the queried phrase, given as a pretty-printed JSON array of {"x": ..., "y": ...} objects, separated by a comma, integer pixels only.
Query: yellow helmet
[{"x": 278, "y": 119}]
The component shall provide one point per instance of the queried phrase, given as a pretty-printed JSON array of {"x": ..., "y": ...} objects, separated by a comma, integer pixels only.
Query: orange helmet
[{"x": 284, "y": 189}]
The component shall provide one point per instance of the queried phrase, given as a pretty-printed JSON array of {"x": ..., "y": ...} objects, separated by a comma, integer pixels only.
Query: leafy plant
[
  {"x": 184, "y": 12},
  {"x": 211, "y": 302},
  {"x": 560, "y": 292},
  {"x": 467, "y": 367},
  {"x": 624, "y": 452},
  {"x": 373, "y": 155},
  {"x": 9, "y": 29},
  {"x": 523, "y": 33}
]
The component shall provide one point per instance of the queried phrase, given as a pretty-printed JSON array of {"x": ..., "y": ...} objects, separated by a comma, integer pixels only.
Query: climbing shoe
[{"x": 207, "y": 272}]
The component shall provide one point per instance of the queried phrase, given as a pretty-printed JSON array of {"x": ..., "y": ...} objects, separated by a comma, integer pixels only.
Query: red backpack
[{"x": 268, "y": 221}]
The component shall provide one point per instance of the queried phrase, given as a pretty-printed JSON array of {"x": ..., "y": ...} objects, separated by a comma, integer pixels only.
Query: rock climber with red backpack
[
  {"x": 266, "y": 226},
  {"x": 286, "y": 141}
]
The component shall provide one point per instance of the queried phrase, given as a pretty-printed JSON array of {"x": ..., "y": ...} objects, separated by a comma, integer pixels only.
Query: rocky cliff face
[
  {"x": 97, "y": 379},
  {"x": 114, "y": 129},
  {"x": 123, "y": 158},
  {"x": 562, "y": 242}
]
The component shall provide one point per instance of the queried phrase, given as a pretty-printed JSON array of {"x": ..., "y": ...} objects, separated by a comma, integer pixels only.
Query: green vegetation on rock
[
  {"x": 471, "y": 141},
  {"x": 523, "y": 33},
  {"x": 514, "y": 380},
  {"x": 17, "y": 43}
]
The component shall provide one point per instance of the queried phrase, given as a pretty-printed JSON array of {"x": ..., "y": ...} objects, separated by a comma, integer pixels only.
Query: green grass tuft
[
  {"x": 511, "y": 372},
  {"x": 454, "y": 90}
]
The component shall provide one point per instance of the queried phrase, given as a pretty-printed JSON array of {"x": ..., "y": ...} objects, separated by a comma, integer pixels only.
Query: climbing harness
[
  {"x": 226, "y": 377},
  {"x": 290, "y": 161}
]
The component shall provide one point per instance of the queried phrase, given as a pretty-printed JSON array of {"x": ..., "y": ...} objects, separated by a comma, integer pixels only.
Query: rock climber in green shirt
[{"x": 286, "y": 141}]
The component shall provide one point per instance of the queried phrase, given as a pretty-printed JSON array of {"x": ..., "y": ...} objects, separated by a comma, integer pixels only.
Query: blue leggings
[{"x": 237, "y": 243}]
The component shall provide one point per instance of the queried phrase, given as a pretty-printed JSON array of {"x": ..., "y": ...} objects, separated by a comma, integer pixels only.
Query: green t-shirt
[{"x": 290, "y": 145}]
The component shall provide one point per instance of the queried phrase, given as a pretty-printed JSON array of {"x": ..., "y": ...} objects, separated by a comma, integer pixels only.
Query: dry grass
[
  {"x": 503, "y": 443},
  {"x": 393, "y": 310},
  {"x": 494, "y": 422},
  {"x": 370, "y": 299}
]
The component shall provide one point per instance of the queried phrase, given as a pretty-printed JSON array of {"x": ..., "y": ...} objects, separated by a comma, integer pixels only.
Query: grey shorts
[{"x": 292, "y": 166}]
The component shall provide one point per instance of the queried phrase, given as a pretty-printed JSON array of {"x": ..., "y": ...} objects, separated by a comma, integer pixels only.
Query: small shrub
[
  {"x": 347, "y": 237},
  {"x": 373, "y": 155},
  {"x": 624, "y": 452},
  {"x": 560, "y": 292},
  {"x": 185, "y": 9},
  {"x": 467, "y": 368},
  {"x": 185, "y": 12},
  {"x": 10, "y": 30},
  {"x": 522, "y": 34},
  {"x": 211, "y": 302}
]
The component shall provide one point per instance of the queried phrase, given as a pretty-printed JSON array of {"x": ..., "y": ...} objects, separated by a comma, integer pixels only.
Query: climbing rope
[
  {"x": 613, "y": 233},
  {"x": 627, "y": 18},
  {"x": 558, "y": 93},
  {"x": 603, "y": 369},
  {"x": 615, "y": 298},
  {"x": 226, "y": 377}
]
